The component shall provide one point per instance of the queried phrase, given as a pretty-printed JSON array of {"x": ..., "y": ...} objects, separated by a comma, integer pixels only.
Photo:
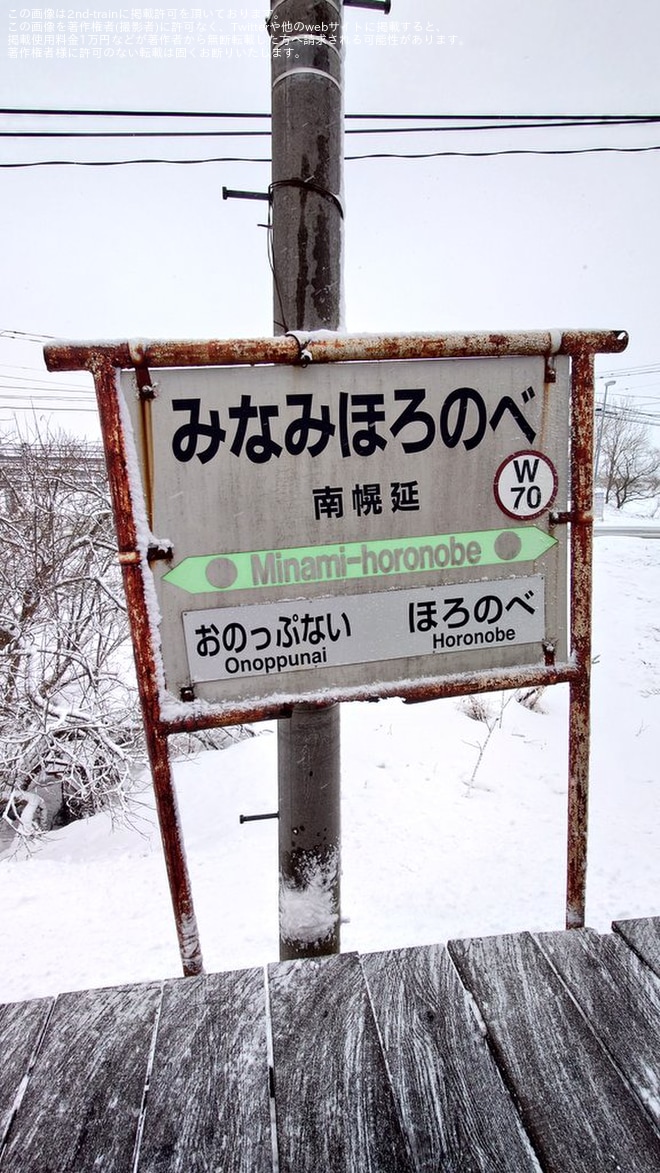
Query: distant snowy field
[{"x": 432, "y": 848}]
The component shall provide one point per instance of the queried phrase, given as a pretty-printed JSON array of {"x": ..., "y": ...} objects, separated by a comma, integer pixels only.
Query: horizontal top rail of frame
[
  {"x": 175, "y": 720},
  {"x": 323, "y": 346}
]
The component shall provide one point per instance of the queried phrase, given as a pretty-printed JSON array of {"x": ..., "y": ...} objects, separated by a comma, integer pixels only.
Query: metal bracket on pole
[
  {"x": 229, "y": 194},
  {"x": 160, "y": 552},
  {"x": 550, "y": 374},
  {"x": 304, "y": 353},
  {"x": 309, "y": 184},
  {"x": 146, "y": 388}
]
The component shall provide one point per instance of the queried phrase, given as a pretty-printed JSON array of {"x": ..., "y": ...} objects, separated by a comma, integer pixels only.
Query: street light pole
[{"x": 609, "y": 383}]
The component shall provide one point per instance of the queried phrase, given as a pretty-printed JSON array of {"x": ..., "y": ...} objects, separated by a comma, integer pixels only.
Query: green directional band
[{"x": 259, "y": 569}]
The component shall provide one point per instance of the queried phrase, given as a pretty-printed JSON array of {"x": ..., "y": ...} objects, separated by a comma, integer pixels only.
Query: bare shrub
[
  {"x": 69, "y": 722},
  {"x": 531, "y": 698},
  {"x": 475, "y": 706}
]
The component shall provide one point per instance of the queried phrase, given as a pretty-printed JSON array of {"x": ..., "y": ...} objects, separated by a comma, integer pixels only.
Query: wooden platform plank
[
  {"x": 455, "y": 1109},
  {"x": 620, "y": 997},
  {"x": 334, "y": 1104},
  {"x": 578, "y": 1112},
  {"x": 644, "y": 937},
  {"x": 82, "y": 1104},
  {"x": 21, "y": 1024},
  {"x": 208, "y": 1105}
]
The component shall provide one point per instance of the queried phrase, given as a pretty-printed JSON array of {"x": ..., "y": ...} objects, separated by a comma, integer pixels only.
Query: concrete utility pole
[{"x": 307, "y": 194}]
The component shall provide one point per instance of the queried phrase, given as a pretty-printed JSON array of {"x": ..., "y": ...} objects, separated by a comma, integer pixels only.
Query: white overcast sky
[{"x": 509, "y": 242}]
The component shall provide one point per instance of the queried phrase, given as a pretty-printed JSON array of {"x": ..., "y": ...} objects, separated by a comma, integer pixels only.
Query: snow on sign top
[{"x": 341, "y": 524}]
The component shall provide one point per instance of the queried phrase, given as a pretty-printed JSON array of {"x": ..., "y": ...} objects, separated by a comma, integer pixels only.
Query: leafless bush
[
  {"x": 69, "y": 725},
  {"x": 70, "y": 728},
  {"x": 475, "y": 706},
  {"x": 531, "y": 698}
]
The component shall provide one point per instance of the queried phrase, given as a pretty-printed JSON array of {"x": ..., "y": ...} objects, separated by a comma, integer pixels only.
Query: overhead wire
[
  {"x": 397, "y": 117},
  {"x": 348, "y": 158},
  {"x": 464, "y": 123},
  {"x": 545, "y": 124},
  {"x": 37, "y": 392},
  {"x": 448, "y": 123}
]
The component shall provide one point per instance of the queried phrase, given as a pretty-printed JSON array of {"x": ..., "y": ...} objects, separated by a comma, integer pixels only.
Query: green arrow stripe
[{"x": 258, "y": 569}]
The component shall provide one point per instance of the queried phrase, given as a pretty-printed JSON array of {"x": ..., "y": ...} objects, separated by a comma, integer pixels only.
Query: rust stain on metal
[
  {"x": 68, "y": 356},
  {"x": 416, "y": 693},
  {"x": 582, "y": 436},
  {"x": 144, "y": 652}
]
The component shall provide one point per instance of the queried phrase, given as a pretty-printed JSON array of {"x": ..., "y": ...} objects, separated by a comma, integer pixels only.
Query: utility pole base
[{"x": 309, "y": 832}]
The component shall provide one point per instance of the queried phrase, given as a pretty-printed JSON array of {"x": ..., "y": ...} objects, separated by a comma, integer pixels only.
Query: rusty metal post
[
  {"x": 307, "y": 213},
  {"x": 579, "y": 727},
  {"x": 134, "y": 567}
]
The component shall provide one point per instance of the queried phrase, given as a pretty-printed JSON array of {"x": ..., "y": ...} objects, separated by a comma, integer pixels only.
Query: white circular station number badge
[{"x": 525, "y": 484}]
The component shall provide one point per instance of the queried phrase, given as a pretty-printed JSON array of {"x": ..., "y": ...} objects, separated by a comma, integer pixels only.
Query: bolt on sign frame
[{"x": 499, "y": 436}]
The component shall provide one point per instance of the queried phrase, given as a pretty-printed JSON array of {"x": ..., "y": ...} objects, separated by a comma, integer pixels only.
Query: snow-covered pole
[{"x": 307, "y": 235}]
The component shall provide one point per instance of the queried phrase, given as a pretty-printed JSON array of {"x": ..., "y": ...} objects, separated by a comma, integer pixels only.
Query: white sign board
[
  {"x": 339, "y": 512},
  {"x": 265, "y": 640}
]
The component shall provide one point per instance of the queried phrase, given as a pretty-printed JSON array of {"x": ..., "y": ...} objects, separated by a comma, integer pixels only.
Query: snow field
[{"x": 451, "y": 826}]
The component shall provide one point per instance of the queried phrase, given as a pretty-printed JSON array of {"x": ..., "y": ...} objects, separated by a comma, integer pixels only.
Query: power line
[
  {"x": 539, "y": 151},
  {"x": 13, "y": 408},
  {"x": 84, "y": 134},
  {"x": 27, "y": 335},
  {"x": 87, "y": 113},
  {"x": 42, "y": 393},
  {"x": 649, "y": 369},
  {"x": 129, "y": 162},
  {"x": 363, "y": 130},
  {"x": 557, "y": 151},
  {"x": 48, "y": 402},
  {"x": 447, "y": 123}
]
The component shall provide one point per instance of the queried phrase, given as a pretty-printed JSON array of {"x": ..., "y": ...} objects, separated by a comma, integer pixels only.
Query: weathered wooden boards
[
  {"x": 208, "y": 1101},
  {"x": 513, "y": 1054},
  {"x": 644, "y": 937},
  {"x": 21, "y": 1026},
  {"x": 455, "y": 1109},
  {"x": 334, "y": 1103},
  {"x": 83, "y": 1099},
  {"x": 140, "y": 1078},
  {"x": 620, "y": 999},
  {"x": 545, "y": 1003}
]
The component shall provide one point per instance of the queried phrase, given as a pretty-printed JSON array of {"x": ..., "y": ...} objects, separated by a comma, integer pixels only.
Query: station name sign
[{"x": 346, "y": 523}]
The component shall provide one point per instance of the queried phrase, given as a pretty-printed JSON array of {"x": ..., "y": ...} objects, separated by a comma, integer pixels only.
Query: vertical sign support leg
[
  {"x": 169, "y": 823},
  {"x": 133, "y": 569},
  {"x": 582, "y": 436}
]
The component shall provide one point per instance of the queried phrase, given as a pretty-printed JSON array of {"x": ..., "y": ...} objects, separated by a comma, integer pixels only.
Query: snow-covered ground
[{"x": 438, "y": 841}]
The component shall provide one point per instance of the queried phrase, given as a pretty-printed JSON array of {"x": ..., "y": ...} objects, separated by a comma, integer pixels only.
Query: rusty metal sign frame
[{"x": 104, "y": 360}]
